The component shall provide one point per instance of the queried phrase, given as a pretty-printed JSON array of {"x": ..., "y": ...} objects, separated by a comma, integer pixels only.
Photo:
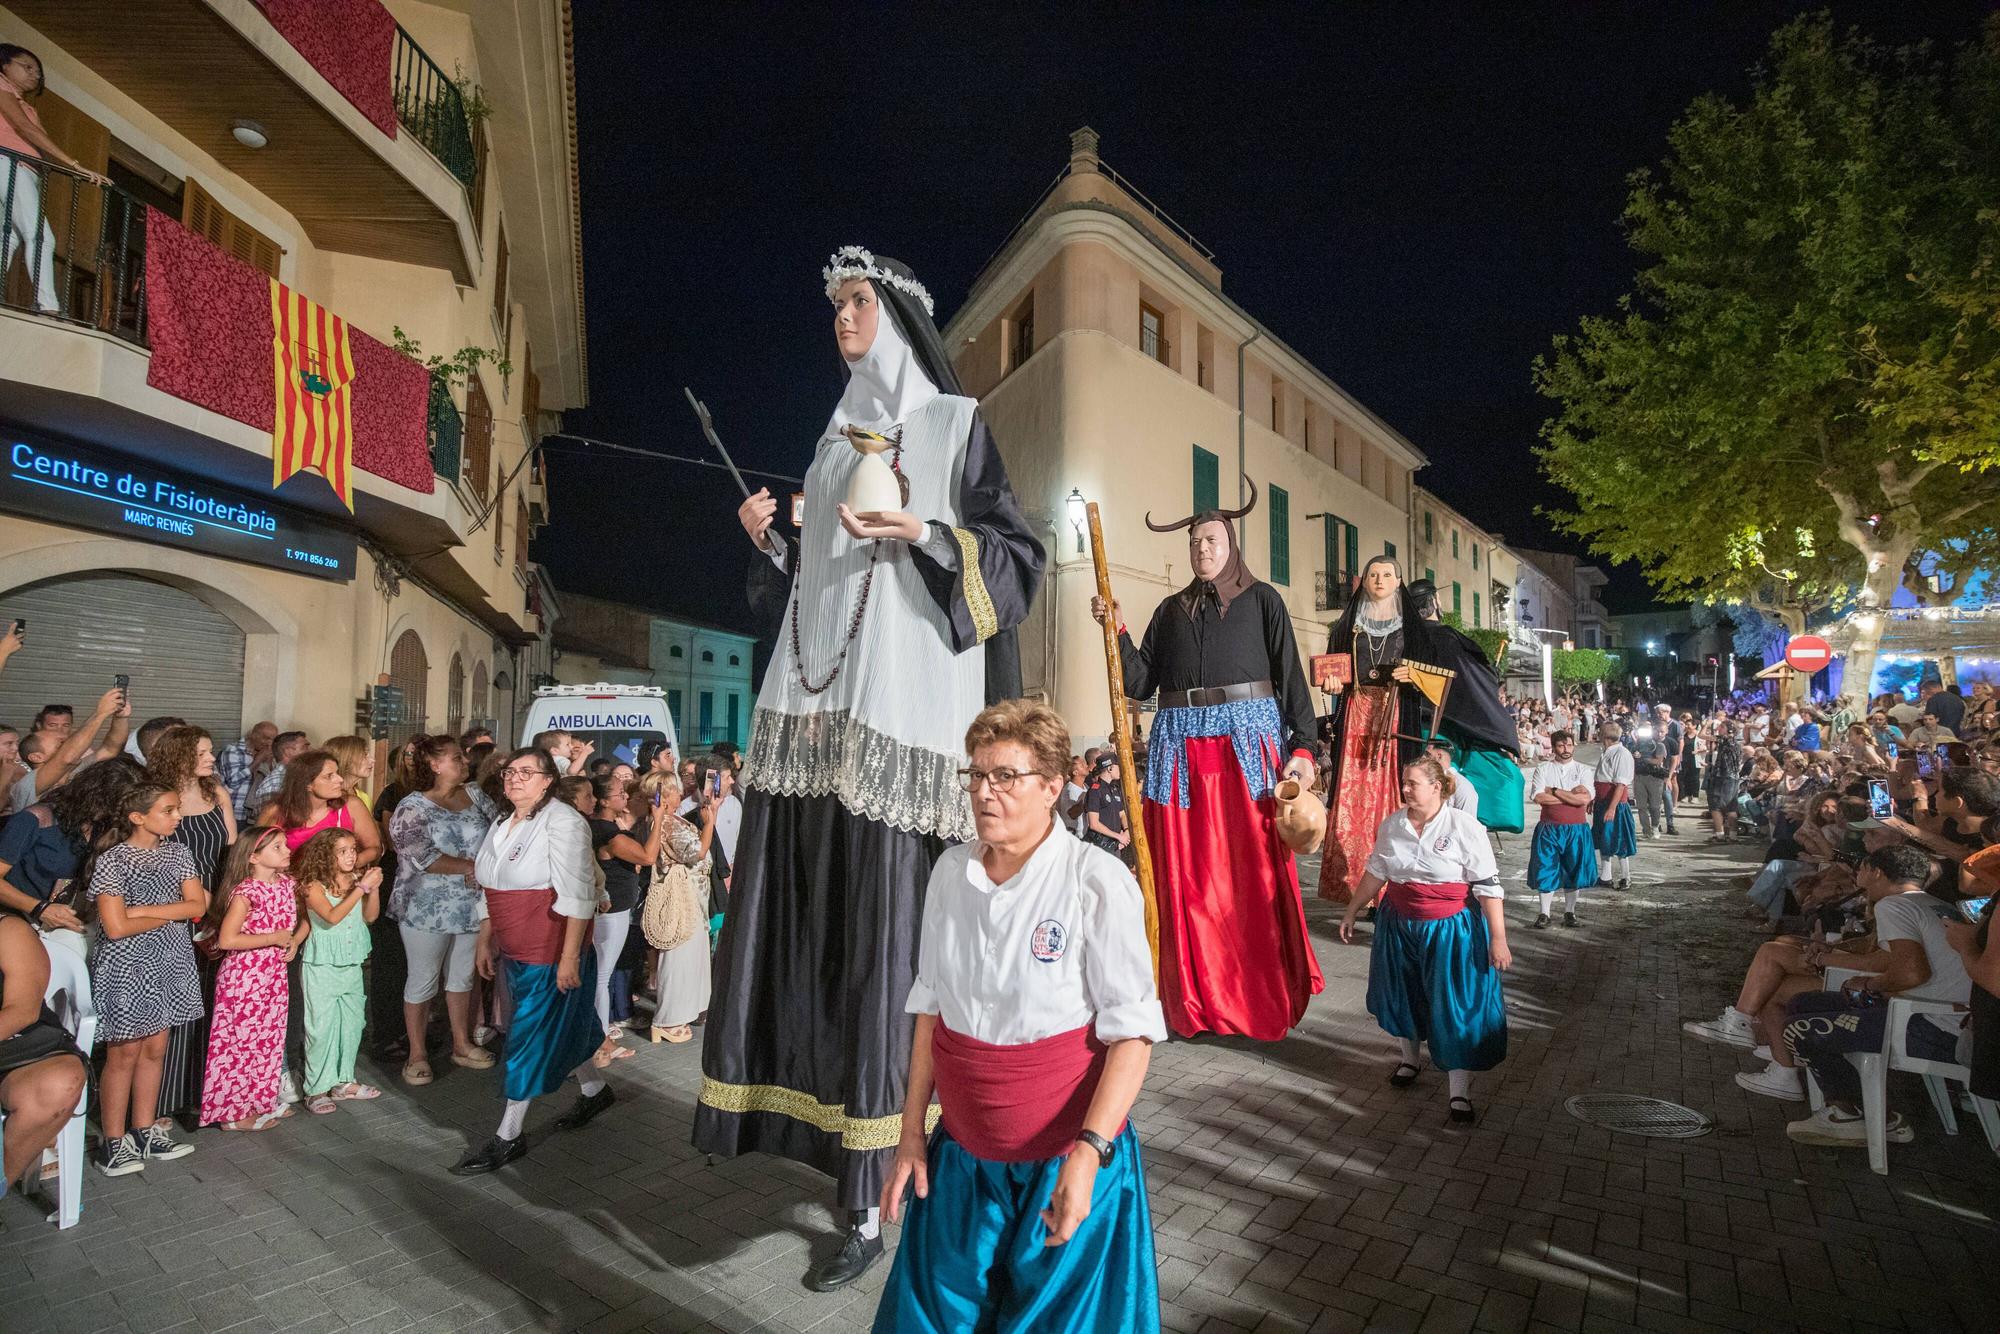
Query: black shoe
[
  {"x": 586, "y": 1109},
  {"x": 1569, "y": 919},
  {"x": 1460, "y": 1110},
  {"x": 1624, "y": 885},
  {"x": 1541, "y": 922},
  {"x": 496, "y": 1155},
  {"x": 1401, "y": 1080},
  {"x": 850, "y": 1262},
  {"x": 1673, "y": 832}
]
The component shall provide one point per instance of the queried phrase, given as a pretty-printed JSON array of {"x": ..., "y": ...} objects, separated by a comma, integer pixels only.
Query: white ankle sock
[
  {"x": 593, "y": 1082},
  {"x": 1459, "y": 1082},
  {"x": 1411, "y": 1055},
  {"x": 871, "y": 1227},
  {"x": 1569, "y": 899},
  {"x": 1548, "y": 903},
  {"x": 513, "y": 1119}
]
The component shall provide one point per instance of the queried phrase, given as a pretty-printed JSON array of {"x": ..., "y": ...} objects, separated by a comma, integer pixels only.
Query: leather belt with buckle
[{"x": 1203, "y": 697}]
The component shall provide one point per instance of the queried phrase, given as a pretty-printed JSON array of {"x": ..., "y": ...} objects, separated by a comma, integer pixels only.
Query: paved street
[{"x": 1292, "y": 1188}]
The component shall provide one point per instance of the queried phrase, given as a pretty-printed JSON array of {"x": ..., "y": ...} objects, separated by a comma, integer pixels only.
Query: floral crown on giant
[{"x": 851, "y": 261}]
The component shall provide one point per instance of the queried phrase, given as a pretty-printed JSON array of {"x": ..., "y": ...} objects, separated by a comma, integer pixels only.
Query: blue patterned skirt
[
  {"x": 1433, "y": 981},
  {"x": 974, "y": 1255}
]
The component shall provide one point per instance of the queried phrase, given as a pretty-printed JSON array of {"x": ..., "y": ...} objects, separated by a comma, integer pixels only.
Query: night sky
[{"x": 1415, "y": 197}]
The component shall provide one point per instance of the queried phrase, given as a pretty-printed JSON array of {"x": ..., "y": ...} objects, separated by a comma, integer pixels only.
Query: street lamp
[
  {"x": 1078, "y": 516},
  {"x": 1652, "y": 648}
]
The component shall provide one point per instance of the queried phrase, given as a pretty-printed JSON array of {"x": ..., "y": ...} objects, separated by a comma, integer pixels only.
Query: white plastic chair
[
  {"x": 1874, "y": 1068},
  {"x": 69, "y": 996}
]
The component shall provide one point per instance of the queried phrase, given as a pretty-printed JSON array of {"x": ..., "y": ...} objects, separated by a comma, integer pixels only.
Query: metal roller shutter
[{"x": 184, "y": 657}]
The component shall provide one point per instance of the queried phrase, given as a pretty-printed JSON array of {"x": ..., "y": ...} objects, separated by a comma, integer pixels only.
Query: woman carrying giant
[
  {"x": 1440, "y": 937},
  {"x": 894, "y": 627}
]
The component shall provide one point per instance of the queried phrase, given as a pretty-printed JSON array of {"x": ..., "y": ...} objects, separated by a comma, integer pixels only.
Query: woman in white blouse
[
  {"x": 539, "y": 900},
  {"x": 1440, "y": 936},
  {"x": 1035, "y": 1018}
]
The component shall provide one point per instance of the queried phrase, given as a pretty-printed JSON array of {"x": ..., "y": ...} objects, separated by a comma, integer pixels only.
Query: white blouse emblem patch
[{"x": 1049, "y": 941}]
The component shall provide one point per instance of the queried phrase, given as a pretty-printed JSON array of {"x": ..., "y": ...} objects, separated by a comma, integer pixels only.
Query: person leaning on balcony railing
[{"x": 21, "y": 133}]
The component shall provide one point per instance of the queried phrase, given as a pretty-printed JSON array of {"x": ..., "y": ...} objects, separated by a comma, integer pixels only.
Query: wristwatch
[
  {"x": 35, "y": 913},
  {"x": 1106, "y": 1150}
]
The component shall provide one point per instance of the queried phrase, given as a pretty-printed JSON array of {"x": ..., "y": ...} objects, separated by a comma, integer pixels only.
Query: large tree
[{"x": 1797, "y": 406}]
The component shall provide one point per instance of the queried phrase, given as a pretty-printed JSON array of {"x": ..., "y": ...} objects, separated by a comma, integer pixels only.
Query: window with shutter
[
  {"x": 201, "y": 214},
  {"x": 1207, "y": 480},
  {"x": 1281, "y": 536},
  {"x": 478, "y": 187},
  {"x": 409, "y": 671},
  {"x": 478, "y": 437},
  {"x": 520, "y": 535},
  {"x": 499, "y": 527},
  {"x": 454, "y": 694},
  {"x": 502, "y": 312}
]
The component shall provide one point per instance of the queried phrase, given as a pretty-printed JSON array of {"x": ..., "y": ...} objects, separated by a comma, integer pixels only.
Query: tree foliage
[
  {"x": 1580, "y": 666},
  {"x": 1800, "y": 397},
  {"x": 1491, "y": 642}
]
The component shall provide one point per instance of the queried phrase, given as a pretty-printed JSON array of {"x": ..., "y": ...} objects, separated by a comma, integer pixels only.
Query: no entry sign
[{"x": 1808, "y": 653}]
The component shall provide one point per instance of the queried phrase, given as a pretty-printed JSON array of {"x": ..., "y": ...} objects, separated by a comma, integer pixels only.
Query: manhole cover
[{"x": 1630, "y": 1114}]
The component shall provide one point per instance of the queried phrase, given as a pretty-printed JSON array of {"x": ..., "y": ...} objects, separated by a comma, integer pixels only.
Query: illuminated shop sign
[{"x": 89, "y": 488}]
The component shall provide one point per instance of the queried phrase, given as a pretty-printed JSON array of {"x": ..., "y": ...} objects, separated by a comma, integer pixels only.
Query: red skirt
[
  {"x": 1234, "y": 955},
  {"x": 1368, "y": 787}
]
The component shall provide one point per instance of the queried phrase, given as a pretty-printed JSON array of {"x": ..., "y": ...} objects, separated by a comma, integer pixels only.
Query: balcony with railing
[
  {"x": 76, "y": 251},
  {"x": 349, "y": 127},
  {"x": 447, "y": 432},
  {"x": 430, "y": 106}
]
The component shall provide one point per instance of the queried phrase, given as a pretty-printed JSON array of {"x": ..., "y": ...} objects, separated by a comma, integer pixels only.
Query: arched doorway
[
  {"x": 479, "y": 713},
  {"x": 184, "y": 657},
  {"x": 410, "y": 672}
]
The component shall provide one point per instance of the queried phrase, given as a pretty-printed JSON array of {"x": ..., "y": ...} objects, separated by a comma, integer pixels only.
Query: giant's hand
[
  {"x": 755, "y": 514},
  {"x": 899, "y": 524}
]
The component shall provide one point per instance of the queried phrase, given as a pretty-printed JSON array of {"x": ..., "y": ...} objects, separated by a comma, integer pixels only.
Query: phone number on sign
[{"x": 312, "y": 558}]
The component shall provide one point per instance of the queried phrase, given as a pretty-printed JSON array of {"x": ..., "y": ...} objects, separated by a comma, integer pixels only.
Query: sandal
[
  {"x": 679, "y": 1033},
  {"x": 321, "y": 1104},
  {"x": 609, "y": 1052},
  {"x": 1462, "y": 1114},
  {"x": 477, "y": 1059},
  {"x": 355, "y": 1092},
  {"x": 1401, "y": 1080},
  {"x": 417, "y": 1073},
  {"x": 256, "y": 1124}
]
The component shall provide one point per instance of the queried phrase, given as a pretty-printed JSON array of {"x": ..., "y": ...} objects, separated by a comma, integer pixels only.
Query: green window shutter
[
  {"x": 1207, "y": 481},
  {"x": 1281, "y": 536},
  {"x": 1475, "y": 611},
  {"x": 1454, "y": 544},
  {"x": 1353, "y": 550},
  {"x": 1475, "y": 555},
  {"x": 1427, "y": 527},
  {"x": 1389, "y": 550},
  {"x": 1430, "y": 574},
  {"x": 1455, "y": 606}
]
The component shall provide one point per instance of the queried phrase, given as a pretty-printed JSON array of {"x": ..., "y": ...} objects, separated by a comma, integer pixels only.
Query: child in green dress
[{"x": 343, "y": 903}]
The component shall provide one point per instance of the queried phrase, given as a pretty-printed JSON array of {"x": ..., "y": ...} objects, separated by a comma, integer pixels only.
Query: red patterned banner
[
  {"x": 209, "y": 321},
  {"x": 351, "y": 42}
]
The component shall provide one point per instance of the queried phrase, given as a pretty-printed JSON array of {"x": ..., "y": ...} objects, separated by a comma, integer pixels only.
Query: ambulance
[{"x": 617, "y": 719}]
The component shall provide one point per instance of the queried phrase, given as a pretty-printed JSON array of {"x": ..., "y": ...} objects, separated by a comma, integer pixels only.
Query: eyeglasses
[
  {"x": 1002, "y": 780},
  {"x": 523, "y": 774}
]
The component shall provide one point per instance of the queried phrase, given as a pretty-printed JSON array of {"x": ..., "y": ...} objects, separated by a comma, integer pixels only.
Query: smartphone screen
[
  {"x": 714, "y": 783},
  {"x": 122, "y": 681},
  {"x": 798, "y": 509},
  {"x": 1879, "y": 804},
  {"x": 1926, "y": 767}
]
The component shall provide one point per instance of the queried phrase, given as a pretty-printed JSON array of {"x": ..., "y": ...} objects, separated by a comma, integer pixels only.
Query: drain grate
[{"x": 1630, "y": 1114}]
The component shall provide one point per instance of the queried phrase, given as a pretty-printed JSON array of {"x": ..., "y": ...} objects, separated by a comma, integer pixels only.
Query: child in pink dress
[{"x": 258, "y": 928}]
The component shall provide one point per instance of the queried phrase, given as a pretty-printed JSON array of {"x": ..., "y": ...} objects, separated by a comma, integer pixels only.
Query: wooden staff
[{"x": 1121, "y": 732}]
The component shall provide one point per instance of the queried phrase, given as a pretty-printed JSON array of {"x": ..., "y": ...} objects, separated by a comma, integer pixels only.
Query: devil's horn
[{"x": 1248, "y": 506}]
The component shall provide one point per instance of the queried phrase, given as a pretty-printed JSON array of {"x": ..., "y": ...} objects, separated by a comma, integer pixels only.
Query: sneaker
[
  {"x": 1541, "y": 922},
  {"x": 288, "y": 1088},
  {"x": 1731, "y": 1028},
  {"x": 156, "y": 1143},
  {"x": 1569, "y": 919},
  {"x": 1762, "y": 1053},
  {"x": 119, "y": 1157},
  {"x": 1831, "y": 1128},
  {"x": 1774, "y": 1081}
]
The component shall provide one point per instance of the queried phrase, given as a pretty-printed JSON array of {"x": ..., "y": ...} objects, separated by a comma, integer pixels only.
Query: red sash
[
  {"x": 1603, "y": 802},
  {"x": 1015, "y": 1104},
  {"x": 1564, "y": 813},
  {"x": 526, "y": 926},
  {"x": 1428, "y": 903}
]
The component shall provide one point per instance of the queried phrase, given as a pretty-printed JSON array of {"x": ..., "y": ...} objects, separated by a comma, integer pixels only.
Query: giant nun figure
[
  {"x": 1235, "y": 716},
  {"x": 894, "y": 629}
]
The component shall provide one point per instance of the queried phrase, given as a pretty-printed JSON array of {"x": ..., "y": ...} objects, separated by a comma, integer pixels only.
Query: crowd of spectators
[
  {"x": 1878, "y": 828},
  {"x": 252, "y": 917}
]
